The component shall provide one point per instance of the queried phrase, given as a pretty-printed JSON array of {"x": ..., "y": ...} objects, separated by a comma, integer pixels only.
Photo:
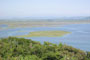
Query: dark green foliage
[
  {"x": 13, "y": 48},
  {"x": 88, "y": 55}
]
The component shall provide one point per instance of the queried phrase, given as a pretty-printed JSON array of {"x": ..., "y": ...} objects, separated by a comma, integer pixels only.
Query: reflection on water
[
  {"x": 79, "y": 38},
  {"x": 3, "y": 25}
]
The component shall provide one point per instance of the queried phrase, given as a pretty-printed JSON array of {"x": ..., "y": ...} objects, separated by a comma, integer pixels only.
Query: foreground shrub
[{"x": 13, "y": 48}]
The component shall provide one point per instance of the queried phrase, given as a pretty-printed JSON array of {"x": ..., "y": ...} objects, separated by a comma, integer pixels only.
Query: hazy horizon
[{"x": 44, "y": 8}]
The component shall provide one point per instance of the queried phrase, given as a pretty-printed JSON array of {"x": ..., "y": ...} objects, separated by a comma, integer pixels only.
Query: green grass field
[{"x": 46, "y": 34}]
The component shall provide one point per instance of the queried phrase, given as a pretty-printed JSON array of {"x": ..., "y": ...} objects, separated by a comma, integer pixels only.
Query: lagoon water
[{"x": 79, "y": 38}]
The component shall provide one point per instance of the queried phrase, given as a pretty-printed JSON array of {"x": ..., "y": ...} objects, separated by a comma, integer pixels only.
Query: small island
[{"x": 46, "y": 34}]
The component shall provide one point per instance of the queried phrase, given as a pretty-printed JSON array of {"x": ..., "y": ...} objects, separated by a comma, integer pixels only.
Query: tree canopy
[{"x": 13, "y": 48}]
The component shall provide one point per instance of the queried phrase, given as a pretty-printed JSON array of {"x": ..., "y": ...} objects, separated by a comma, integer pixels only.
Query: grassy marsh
[{"x": 46, "y": 34}]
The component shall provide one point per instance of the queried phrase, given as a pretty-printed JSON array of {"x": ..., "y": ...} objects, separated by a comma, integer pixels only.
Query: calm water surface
[{"x": 79, "y": 38}]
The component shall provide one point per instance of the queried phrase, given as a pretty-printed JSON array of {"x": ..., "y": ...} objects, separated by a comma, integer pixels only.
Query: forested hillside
[{"x": 13, "y": 48}]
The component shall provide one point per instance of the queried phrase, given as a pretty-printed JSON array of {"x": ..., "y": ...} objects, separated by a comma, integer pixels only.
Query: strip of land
[
  {"x": 46, "y": 34},
  {"x": 12, "y": 24}
]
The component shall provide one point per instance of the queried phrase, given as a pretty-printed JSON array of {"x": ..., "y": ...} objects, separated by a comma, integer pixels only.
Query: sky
[{"x": 44, "y": 8}]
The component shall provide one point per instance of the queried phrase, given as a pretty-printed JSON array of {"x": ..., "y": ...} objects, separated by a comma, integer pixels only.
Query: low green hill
[{"x": 13, "y": 48}]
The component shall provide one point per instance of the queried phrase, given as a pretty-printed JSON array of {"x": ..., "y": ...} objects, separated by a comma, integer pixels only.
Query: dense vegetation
[{"x": 12, "y": 48}]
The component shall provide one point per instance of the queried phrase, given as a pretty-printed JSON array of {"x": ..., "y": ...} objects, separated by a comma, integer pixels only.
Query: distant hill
[{"x": 47, "y": 19}]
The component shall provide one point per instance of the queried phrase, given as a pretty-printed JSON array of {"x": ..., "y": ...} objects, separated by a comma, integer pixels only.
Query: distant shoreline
[{"x": 42, "y": 23}]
